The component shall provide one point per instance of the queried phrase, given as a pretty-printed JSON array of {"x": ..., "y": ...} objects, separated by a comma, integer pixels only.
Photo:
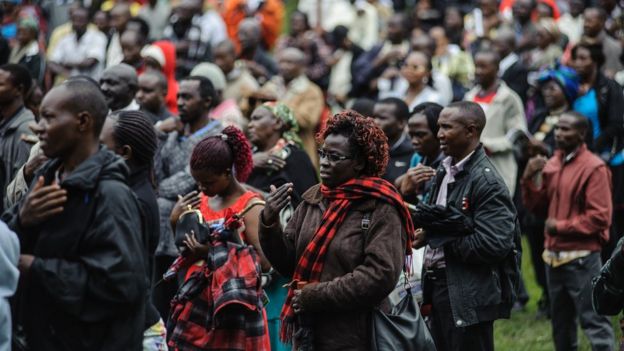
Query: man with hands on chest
[
  {"x": 79, "y": 231},
  {"x": 572, "y": 190}
]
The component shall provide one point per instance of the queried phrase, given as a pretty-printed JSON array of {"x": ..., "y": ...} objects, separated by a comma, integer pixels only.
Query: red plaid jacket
[{"x": 219, "y": 306}]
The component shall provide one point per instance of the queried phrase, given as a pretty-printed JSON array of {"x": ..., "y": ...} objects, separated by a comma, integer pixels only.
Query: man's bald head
[
  {"x": 119, "y": 85},
  {"x": 470, "y": 113},
  {"x": 119, "y": 16},
  {"x": 123, "y": 71},
  {"x": 227, "y": 46},
  {"x": 291, "y": 63},
  {"x": 249, "y": 33},
  {"x": 505, "y": 41},
  {"x": 224, "y": 55}
]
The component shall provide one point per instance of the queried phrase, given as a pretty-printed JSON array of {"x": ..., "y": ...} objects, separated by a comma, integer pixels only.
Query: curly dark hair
[
  {"x": 219, "y": 153},
  {"x": 366, "y": 140}
]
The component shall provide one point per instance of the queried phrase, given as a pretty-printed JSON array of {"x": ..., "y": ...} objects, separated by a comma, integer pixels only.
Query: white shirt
[
  {"x": 434, "y": 258},
  {"x": 212, "y": 27},
  {"x": 507, "y": 62},
  {"x": 114, "y": 55},
  {"x": 92, "y": 44},
  {"x": 571, "y": 27},
  {"x": 399, "y": 87}
]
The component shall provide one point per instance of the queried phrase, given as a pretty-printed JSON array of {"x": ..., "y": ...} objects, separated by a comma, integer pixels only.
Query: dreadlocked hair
[
  {"x": 220, "y": 153},
  {"x": 366, "y": 140},
  {"x": 133, "y": 128}
]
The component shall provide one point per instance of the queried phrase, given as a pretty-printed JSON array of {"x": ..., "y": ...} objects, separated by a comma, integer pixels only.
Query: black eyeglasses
[{"x": 331, "y": 156}]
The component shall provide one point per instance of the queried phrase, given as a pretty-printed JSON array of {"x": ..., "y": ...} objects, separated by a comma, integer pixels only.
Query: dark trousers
[
  {"x": 569, "y": 287},
  {"x": 446, "y": 334},
  {"x": 615, "y": 233},
  {"x": 163, "y": 292}
]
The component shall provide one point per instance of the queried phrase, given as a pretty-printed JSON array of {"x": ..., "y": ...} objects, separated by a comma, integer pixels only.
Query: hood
[
  {"x": 103, "y": 165},
  {"x": 168, "y": 69},
  {"x": 168, "y": 50}
]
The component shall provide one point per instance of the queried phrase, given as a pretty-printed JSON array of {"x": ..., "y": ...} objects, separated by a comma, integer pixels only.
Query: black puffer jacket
[
  {"x": 482, "y": 267},
  {"x": 86, "y": 287}
]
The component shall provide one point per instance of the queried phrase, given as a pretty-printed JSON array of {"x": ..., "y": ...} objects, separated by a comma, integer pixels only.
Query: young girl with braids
[{"x": 219, "y": 164}]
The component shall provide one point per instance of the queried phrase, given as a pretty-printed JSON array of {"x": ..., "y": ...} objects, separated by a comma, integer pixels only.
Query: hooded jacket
[
  {"x": 168, "y": 70},
  {"x": 86, "y": 287}
]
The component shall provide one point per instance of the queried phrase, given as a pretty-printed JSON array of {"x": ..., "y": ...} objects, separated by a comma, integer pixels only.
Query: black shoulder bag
[{"x": 403, "y": 329}]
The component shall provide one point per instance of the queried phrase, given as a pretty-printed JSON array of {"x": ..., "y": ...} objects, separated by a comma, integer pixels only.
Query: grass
[{"x": 523, "y": 331}]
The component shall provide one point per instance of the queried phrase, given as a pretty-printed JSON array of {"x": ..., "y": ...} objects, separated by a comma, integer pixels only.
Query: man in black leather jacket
[{"x": 471, "y": 265}]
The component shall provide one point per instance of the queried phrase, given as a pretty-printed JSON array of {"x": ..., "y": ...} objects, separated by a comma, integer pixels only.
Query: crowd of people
[{"x": 188, "y": 175}]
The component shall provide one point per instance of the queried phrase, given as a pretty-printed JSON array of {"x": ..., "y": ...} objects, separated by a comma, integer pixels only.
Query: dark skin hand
[
  {"x": 42, "y": 203},
  {"x": 278, "y": 199},
  {"x": 256, "y": 69},
  {"x": 265, "y": 160},
  {"x": 534, "y": 166},
  {"x": 191, "y": 199},
  {"x": 415, "y": 178},
  {"x": 32, "y": 165},
  {"x": 551, "y": 226},
  {"x": 537, "y": 147},
  {"x": 197, "y": 250},
  {"x": 24, "y": 263},
  {"x": 171, "y": 124},
  {"x": 420, "y": 239}
]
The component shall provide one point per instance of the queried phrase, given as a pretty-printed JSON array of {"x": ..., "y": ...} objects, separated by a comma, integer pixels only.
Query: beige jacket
[{"x": 504, "y": 116}]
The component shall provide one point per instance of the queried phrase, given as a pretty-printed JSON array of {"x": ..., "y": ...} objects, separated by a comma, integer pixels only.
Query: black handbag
[
  {"x": 403, "y": 329},
  {"x": 189, "y": 221}
]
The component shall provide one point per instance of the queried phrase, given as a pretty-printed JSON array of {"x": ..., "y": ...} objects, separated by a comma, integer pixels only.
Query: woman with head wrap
[
  {"x": 559, "y": 88},
  {"x": 278, "y": 159},
  {"x": 278, "y": 156}
]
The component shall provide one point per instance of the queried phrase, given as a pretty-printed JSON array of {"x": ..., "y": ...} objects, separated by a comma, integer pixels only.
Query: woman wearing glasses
[
  {"x": 412, "y": 83},
  {"x": 344, "y": 248}
]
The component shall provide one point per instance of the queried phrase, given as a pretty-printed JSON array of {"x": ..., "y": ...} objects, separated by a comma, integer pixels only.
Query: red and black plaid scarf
[{"x": 311, "y": 263}]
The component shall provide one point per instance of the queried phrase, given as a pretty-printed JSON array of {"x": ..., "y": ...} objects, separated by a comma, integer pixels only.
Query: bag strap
[
  {"x": 253, "y": 203},
  {"x": 365, "y": 225}
]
